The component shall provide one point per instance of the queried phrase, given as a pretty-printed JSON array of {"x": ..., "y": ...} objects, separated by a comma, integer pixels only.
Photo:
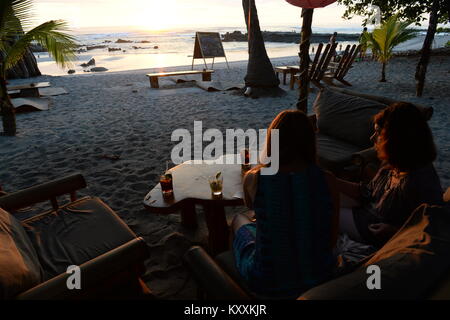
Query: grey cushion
[
  {"x": 76, "y": 234},
  {"x": 412, "y": 263},
  {"x": 19, "y": 264},
  {"x": 346, "y": 117},
  {"x": 333, "y": 153}
]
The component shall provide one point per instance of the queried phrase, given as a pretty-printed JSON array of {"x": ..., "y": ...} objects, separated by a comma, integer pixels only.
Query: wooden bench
[
  {"x": 206, "y": 75},
  {"x": 27, "y": 90}
]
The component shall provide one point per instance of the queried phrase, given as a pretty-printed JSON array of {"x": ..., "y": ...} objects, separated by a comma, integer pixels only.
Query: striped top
[{"x": 292, "y": 250}]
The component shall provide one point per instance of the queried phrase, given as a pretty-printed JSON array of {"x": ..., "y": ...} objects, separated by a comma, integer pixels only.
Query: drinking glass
[
  {"x": 166, "y": 184},
  {"x": 216, "y": 185}
]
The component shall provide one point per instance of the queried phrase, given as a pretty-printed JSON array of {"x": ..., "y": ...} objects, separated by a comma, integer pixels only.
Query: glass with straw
[{"x": 216, "y": 185}]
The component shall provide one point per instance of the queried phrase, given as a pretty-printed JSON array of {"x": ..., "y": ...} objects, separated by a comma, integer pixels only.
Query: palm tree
[
  {"x": 386, "y": 37},
  {"x": 15, "y": 15}
]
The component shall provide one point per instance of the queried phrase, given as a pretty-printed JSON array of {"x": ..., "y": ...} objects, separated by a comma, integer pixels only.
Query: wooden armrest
[
  {"x": 94, "y": 272},
  {"x": 217, "y": 284},
  {"x": 447, "y": 195},
  {"x": 363, "y": 157},
  {"x": 42, "y": 192}
]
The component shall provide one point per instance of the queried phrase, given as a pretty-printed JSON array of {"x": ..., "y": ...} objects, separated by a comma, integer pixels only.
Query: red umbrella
[
  {"x": 307, "y": 14},
  {"x": 311, "y": 4}
]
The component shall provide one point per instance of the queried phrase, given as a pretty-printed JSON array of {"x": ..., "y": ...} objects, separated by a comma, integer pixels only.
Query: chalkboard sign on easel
[{"x": 208, "y": 45}]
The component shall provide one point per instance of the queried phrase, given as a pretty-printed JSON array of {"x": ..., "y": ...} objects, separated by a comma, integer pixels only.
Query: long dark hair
[
  {"x": 405, "y": 140},
  {"x": 297, "y": 139}
]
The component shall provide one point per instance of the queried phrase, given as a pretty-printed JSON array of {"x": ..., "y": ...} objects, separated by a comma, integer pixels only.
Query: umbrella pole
[{"x": 307, "y": 15}]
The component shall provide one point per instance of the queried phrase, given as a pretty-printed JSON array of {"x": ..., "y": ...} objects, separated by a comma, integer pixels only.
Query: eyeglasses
[{"x": 376, "y": 133}]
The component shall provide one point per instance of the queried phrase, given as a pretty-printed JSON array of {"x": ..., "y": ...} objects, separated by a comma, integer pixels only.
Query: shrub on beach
[{"x": 383, "y": 39}]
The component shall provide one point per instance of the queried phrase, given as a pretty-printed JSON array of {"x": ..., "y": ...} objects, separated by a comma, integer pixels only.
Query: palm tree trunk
[
  {"x": 421, "y": 68},
  {"x": 7, "y": 110},
  {"x": 383, "y": 72},
  {"x": 261, "y": 77}
]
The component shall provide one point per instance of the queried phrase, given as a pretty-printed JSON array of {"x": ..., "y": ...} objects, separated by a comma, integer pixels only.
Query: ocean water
[{"x": 174, "y": 48}]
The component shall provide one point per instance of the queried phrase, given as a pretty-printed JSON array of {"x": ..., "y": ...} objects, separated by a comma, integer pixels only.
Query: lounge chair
[
  {"x": 84, "y": 232},
  {"x": 338, "y": 70},
  {"x": 318, "y": 66},
  {"x": 410, "y": 267}
]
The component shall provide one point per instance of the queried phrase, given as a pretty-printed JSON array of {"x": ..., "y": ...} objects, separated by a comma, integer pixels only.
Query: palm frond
[
  {"x": 50, "y": 35},
  {"x": 15, "y": 16},
  {"x": 373, "y": 45},
  {"x": 388, "y": 35}
]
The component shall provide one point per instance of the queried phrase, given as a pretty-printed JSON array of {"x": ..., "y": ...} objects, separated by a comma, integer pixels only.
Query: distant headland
[{"x": 289, "y": 37}]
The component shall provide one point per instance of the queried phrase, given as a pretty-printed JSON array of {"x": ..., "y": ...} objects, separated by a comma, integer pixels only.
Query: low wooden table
[
  {"x": 29, "y": 89},
  {"x": 285, "y": 70},
  {"x": 206, "y": 75},
  {"x": 191, "y": 187}
]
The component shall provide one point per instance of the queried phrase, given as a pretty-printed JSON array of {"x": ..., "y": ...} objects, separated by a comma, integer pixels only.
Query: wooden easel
[{"x": 199, "y": 49}]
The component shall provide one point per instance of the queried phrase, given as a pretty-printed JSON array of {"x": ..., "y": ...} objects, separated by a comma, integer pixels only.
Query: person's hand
[
  {"x": 382, "y": 231},
  {"x": 251, "y": 215}
]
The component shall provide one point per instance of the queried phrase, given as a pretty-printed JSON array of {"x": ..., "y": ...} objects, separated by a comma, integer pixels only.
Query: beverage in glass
[
  {"x": 216, "y": 184},
  {"x": 166, "y": 184}
]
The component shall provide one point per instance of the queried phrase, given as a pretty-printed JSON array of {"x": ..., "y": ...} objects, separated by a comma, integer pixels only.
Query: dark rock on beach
[
  {"x": 123, "y": 41},
  {"x": 27, "y": 67},
  {"x": 234, "y": 36},
  {"x": 71, "y": 71},
  {"x": 96, "y": 47},
  {"x": 89, "y": 63},
  {"x": 114, "y": 49},
  {"x": 98, "y": 69}
]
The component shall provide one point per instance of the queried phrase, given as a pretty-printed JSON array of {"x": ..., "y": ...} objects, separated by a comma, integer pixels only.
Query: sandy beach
[{"x": 117, "y": 113}]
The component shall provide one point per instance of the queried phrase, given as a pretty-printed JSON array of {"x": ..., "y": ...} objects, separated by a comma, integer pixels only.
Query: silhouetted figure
[{"x": 333, "y": 38}]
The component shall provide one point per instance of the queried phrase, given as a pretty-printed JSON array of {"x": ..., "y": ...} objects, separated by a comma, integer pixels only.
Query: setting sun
[{"x": 157, "y": 15}]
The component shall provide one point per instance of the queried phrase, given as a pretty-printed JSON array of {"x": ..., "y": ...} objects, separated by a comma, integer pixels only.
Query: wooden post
[
  {"x": 307, "y": 15},
  {"x": 218, "y": 229},
  {"x": 189, "y": 216},
  {"x": 206, "y": 76},
  {"x": 154, "y": 82}
]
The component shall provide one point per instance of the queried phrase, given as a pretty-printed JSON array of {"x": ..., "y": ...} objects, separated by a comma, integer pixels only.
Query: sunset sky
[{"x": 172, "y": 14}]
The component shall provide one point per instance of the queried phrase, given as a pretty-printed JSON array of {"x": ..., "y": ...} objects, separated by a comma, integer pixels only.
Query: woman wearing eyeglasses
[{"x": 407, "y": 178}]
